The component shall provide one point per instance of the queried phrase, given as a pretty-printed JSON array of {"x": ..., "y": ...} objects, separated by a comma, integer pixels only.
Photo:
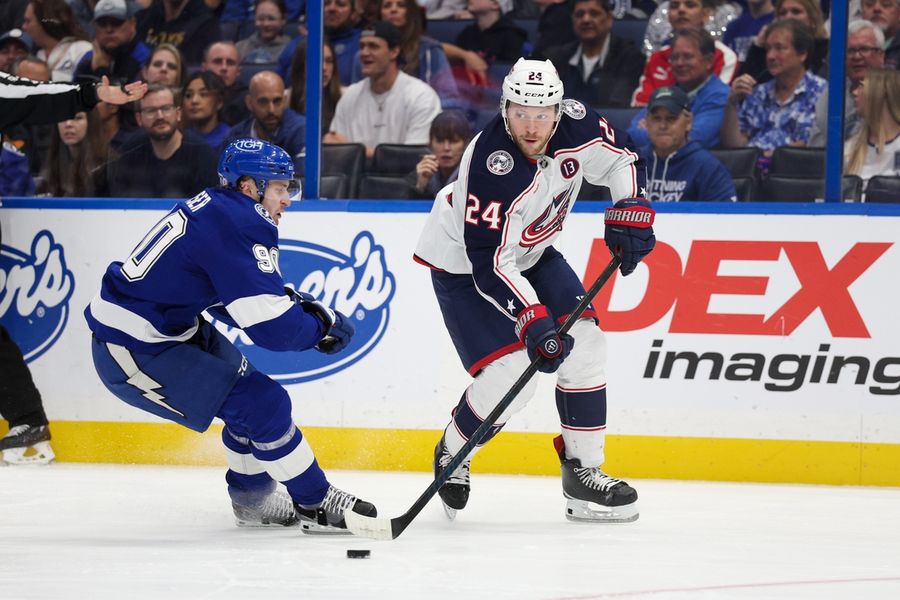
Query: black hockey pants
[{"x": 20, "y": 401}]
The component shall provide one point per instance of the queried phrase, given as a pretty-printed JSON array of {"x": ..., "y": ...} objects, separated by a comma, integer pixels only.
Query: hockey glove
[
  {"x": 536, "y": 329},
  {"x": 629, "y": 231},
  {"x": 337, "y": 329}
]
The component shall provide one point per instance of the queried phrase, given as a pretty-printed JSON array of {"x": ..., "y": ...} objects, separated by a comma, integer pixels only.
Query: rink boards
[{"x": 758, "y": 343}]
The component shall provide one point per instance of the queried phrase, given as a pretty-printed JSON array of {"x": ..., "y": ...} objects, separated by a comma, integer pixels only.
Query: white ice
[{"x": 135, "y": 532}]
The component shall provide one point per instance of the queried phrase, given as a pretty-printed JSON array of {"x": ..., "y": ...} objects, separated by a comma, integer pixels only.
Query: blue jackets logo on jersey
[
  {"x": 35, "y": 289},
  {"x": 358, "y": 285}
]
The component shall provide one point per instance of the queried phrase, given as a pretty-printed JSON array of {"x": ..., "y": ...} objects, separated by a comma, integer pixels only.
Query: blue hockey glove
[
  {"x": 536, "y": 329},
  {"x": 337, "y": 328},
  {"x": 629, "y": 231}
]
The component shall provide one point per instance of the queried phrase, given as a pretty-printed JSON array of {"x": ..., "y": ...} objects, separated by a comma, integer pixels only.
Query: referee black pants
[{"x": 20, "y": 401}]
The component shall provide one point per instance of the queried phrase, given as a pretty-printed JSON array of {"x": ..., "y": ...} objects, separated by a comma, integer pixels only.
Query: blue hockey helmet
[{"x": 257, "y": 159}]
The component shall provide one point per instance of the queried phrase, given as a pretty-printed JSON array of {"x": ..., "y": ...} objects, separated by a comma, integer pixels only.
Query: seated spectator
[
  {"x": 445, "y": 9},
  {"x": 111, "y": 130},
  {"x": 886, "y": 15},
  {"x": 187, "y": 24},
  {"x": 493, "y": 35},
  {"x": 554, "y": 24},
  {"x": 341, "y": 23},
  {"x": 420, "y": 56},
  {"x": 76, "y": 162},
  {"x": 222, "y": 59},
  {"x": 741, "y": 32},
  {"x": 238, "y": 11},
  {"x": 876, "y": 148},
  {"x": 683, "y": 14},
  {"x": 32, "y": 140},
  {"x": 808, "y": 13},
  {"x": 163, "y": 162},
  {"x": 331, "y": 86},
  {"x": 267, "y": 42},
  {"x": 660, "y": 25},
  {"x": 164, "y": 66},
  {"x": 448, "y": 137},
  {"x": 15, "y": 179},
  {"x": 117, "y": 52},
  {"x": 202, "y": 100},
  {"x": 597, "y": 67},
  {"x": 60, "y": 40},
  {"x": 778, "y": 112},
  {"x": 679, "y": 169},
  {"x": 14, "y": 45},
  {"x": 865, "y": 50},
  {"x": 388, "y": 106},
  {"x": 270, "y": 119},
  {"x": 693, "y": 52}
]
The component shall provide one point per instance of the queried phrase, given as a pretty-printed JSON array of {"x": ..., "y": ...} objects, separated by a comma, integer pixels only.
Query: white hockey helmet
[{"x": 532, "y": 83}]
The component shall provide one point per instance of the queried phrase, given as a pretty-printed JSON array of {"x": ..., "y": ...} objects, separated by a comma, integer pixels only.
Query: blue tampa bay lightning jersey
[{"x": 217, "y": 251}]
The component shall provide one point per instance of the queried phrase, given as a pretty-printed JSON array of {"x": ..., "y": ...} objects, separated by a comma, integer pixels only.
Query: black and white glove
[
  {"x": 337, "y": 328},
  {"x": 536, "y": 329}
]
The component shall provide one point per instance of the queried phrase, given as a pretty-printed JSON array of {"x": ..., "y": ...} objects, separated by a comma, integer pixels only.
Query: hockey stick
[{"x": 379, "y": 528}]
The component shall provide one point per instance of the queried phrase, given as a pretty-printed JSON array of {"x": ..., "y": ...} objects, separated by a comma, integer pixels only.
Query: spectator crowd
[{"x": 694, "y": 83}]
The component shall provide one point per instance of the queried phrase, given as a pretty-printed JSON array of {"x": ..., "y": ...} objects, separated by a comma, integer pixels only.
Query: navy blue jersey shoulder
[{"x": 498, "y": 170}]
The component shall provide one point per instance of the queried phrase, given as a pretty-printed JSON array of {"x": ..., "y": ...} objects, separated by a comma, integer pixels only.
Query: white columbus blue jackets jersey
[
  {"x": 501, "y": 213},
  {"x": 216, "y": 251}
]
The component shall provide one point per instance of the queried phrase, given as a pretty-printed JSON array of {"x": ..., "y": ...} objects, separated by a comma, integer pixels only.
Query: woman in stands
[
  {"x": 76, "y": 161},
  {"x": 165, "y": 66},
  {"x": 805, "y": 11},
  {"x": 331, "y": 84},
  {"x": 202, "y": 100},
  {"x": 56, "y": 33},
  {"x": 448, "y": 137},
  {"x": 420, "y": 55},
  {"x": 875, "y": 150},
  {"x": 267, "y": 42}
]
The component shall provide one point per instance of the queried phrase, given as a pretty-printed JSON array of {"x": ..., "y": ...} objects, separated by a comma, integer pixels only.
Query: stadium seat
[
  {"x": 619, "y": 118},
  {"x": 745, "y": 188},
  {"x": 740, "y": 162},
  {"x": 229, "y": 30},
  {"x": 333, "y": 187},
  {"x": 531, "y": 28},
  {"x": 883, "y": 189},
  {"x": 341, "y": 159},
  {"x": 631, "y": 29},
  {"x": 384, "y": 187},
  {"x": 778, "y": 188},
  {"x": 397, "y": 159},
  {"x": 798, "y": 162}
]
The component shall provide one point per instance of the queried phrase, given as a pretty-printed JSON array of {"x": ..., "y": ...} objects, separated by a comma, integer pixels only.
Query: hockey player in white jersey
[
  {"x": 152, "y": 348},
  {"x": 503, "y": 288}
]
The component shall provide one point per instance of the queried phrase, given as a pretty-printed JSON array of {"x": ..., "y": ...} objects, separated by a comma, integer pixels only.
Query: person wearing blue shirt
[
  {"x": 680, "y": 170},
  {"x": 693, "y": 54},
  {"x": 339, "y": 20},
  {"x": 740, "y": 33},
  {"x": 216, "y": 255},
  {"x": 270, "y": 118}
]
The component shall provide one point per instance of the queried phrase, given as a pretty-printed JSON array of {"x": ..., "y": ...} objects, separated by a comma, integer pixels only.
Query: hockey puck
[{"x": 359, "y": 553}]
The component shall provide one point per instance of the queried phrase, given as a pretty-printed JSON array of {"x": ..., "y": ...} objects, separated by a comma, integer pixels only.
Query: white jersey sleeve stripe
[
  {"x": 134, "y": 325},
  {"x": 503, "y": 250},
  {"x": 253, "y": 310}
]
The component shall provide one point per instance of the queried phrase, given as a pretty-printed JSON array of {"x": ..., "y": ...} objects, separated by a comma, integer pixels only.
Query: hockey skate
[
  {"x": 455, "y": 492},
  {"x": 272, "y": 510},
  {"x": 594, "y": 496},
  {"x": 27, "y": 445},
  {"x": 328, "y": 517}
]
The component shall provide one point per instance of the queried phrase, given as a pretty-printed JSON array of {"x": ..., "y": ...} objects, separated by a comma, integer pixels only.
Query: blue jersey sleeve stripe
[
  {"x": 253, "y": 310},
  {"x": 131, "y": 324}
]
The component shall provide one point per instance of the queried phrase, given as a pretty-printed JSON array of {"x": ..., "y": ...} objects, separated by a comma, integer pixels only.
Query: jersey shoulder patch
[
  {"x": 574, "y": 109},
  {"x": 500, "y": 162}
]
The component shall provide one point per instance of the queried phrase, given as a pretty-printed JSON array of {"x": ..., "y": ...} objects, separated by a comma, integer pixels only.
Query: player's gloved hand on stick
[
  {"x": 629, "y": 231},
  {"x": 536, "y": 329},
  {"x": 337, "y": 328}
]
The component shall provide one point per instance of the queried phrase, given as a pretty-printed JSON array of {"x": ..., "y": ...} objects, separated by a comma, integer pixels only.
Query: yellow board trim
[{"x": 712, "y": 459}]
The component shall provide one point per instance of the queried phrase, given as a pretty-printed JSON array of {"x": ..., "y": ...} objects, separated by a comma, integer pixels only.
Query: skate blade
[
  {"x": 315, "y": 529},
  {"x": 450, "y": 512},
  {"x": 258, "y": 525},
  {"x": 588, "y": 512},
  {"x": 38, "y": 454}
]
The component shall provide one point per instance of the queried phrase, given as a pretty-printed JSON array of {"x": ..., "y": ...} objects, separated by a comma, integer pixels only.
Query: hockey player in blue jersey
[
  {"x": 152, "y": 348},
  {"x": 503, "y": 288}
]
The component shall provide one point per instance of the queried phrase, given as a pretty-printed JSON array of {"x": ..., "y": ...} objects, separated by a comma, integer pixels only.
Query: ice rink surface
[{"x": 135, "y": 532}]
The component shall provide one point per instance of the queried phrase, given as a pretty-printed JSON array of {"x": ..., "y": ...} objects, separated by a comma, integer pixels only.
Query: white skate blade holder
[
  {"x": 38, "y": 454},
  {"x": 583, "y": 511}
]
